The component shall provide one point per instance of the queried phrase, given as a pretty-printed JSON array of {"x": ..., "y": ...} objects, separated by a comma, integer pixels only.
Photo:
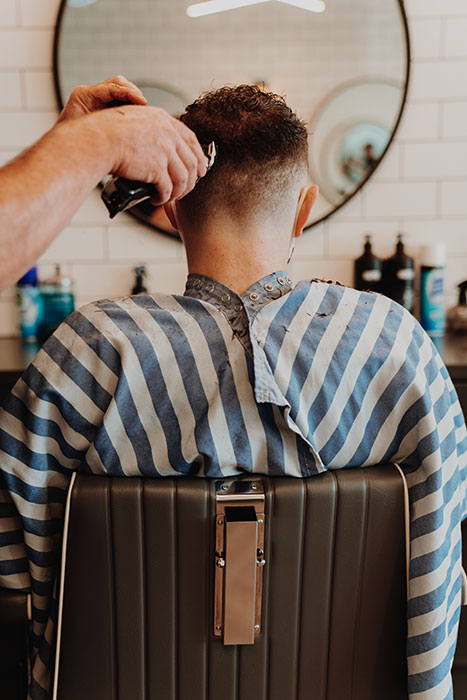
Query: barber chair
[
  {"x": 193, "y": 589},
  {"x": 138, "y": 593}
]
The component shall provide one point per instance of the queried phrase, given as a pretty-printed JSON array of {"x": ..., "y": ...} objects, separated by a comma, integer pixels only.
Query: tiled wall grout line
[{"x": 24, "y": 99}]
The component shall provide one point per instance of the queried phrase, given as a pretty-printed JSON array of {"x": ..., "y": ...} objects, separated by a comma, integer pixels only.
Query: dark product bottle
[
  {"x": 140, "y": 273},
  {"x": 457, "y": 316},
  {"x": 399, "y": 276},
  {"x": 368, "y": 270},
  {"x": 58, "y": 302}
]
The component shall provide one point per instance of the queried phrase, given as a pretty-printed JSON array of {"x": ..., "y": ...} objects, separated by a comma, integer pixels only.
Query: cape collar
[{"x": 260, "y": 293}]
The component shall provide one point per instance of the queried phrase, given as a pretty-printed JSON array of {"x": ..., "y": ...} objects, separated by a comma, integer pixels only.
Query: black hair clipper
[{"x": 120, "y": 194}]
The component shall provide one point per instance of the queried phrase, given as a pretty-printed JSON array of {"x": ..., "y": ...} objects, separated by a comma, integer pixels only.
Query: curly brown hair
[{"x": 261, "y": 147}]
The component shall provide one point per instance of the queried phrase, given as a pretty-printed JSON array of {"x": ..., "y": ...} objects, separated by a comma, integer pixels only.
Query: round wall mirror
[{"x": 342, "y": 66}]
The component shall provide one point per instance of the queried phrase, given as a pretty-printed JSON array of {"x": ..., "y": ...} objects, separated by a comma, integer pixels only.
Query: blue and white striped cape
[{"x": 276, "y": 381}]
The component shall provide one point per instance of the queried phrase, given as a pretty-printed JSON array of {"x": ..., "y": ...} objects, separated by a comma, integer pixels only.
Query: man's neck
[
  {"x": 236, "y": 261},
  {"x": 238, "y": 284}
]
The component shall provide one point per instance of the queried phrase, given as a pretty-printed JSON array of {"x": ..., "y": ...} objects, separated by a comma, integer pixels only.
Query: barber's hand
[
  {"x": 89, "y": 98},
  {"x": 151, "y": 146}
]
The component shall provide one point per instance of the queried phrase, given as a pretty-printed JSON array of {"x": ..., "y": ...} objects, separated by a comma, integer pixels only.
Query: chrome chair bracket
[{"x": 239, "y": 560}]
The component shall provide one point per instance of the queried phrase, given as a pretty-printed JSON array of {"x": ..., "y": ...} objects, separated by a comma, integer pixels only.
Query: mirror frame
[{"x": 135, "y": 214}]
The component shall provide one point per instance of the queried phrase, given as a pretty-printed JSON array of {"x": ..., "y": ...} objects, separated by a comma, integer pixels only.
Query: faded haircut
[{"x": 262, "y": 148}]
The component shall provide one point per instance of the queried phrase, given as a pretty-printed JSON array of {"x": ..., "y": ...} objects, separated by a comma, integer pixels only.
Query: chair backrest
[{"x": 137, "y": 613}]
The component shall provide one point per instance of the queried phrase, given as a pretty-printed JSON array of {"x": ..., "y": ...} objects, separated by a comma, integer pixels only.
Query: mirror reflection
[{"x": 342, "y": 67}]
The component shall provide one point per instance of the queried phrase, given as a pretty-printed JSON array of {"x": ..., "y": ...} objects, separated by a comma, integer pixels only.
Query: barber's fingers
[
  {"x": 106, "y": 94},
  {"x": 179, "y": 175},
  {"x": 182, "y": 164},
  {"x": 173, "y": 181},
  {"x": 121, "y": 80},
  {"x": 189, "y": 138},
  {"x": 103, "y": 94},
  {"x": 118, "y": 89},
  {"x": 91, "y": 98},
  {"x": 164, "y": 188},
  {"x": 190, "y": 162}
]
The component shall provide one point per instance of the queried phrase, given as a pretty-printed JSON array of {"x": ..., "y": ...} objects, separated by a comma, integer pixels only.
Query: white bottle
[{"x": 432, "y": 312}]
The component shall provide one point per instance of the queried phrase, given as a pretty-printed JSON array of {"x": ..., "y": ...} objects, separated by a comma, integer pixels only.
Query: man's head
[
  {"x": 258, "y": 182},
  {"x": 262, "y": 153}
]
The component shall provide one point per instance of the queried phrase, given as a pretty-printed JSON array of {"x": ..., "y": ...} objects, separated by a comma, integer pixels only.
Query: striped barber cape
[{"x": 278, "y": 380}]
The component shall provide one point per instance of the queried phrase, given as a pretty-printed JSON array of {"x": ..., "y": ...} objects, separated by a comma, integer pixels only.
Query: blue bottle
[
  {"x": 58, "y": 303},
  {"x": 432, "y": 312},
  {"x": 29, "y": 303}
]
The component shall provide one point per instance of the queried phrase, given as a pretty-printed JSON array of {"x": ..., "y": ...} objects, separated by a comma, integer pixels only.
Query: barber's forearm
[{"x": 44, "y": 186}]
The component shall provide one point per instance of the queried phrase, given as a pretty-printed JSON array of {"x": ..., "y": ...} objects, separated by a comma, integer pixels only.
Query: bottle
[
  {"x": 367, "y": 270},
  {"x": 58, "y": 302},
  {"x": 398, "y": 277},
  {"x": 29, "y": 302},
  {"x": 457, "y": 316},
  {"x": 432, "y": 315},
  {"x": 140, "y": 273}
]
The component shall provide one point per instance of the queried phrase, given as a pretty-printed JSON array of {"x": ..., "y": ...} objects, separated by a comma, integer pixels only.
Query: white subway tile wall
[
  {"x": 435, "y": 8},
  {"x": 39, "y": 89},
  {"x": 385, "y": 200},
  {"x": 426, "y": 35},
  {"x": 20, "y": 128},
  {"x": 8, "y": 15},
  {"x": 435, "y": 160},
  {"x": 37, "y": 13},
  {"x": 10, "y": 90},
  {"x": 454, "y": 120},
  {"x": 453, "y": 201},
  {"x": 443, "y": 79},
  {"x": 455, "y": 33},
  {"x": 22, "y": 47},
  {"x": 420, "y": 121},
  {"x": 420, "y": 189}
]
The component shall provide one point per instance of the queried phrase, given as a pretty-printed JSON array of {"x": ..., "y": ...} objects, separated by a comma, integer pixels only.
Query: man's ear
[
  {"x": 309, "y": 199},
  {"x": 170, "y": 214}
]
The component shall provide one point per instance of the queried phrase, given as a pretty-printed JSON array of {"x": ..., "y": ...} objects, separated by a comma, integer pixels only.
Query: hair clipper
[{"x": 120, "y": 194}]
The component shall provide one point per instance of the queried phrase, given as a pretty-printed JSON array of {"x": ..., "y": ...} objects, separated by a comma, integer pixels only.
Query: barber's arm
[{"x": 43, "y": 187}]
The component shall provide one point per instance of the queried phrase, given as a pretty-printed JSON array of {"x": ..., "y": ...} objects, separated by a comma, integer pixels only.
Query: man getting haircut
[
  {"x": 243, "y": 373},
  {"x": 257, "y": 200}
]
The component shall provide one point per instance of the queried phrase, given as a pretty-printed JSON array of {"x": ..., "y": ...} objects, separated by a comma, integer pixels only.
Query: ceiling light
[
  {"x": 212, "y": 6},
  {"x": 311, "y": 5},
  {"x": 79, "y": 3}
]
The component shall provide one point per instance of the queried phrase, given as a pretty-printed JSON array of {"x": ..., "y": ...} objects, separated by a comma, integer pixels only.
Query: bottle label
[
  {"x": 406, "y": 274},
  {"x": 432, "y": 314},
  {"x": 434, "y": 286},
  {"x": 371, "y": 275},
  {"x": 28, "y": 300}
]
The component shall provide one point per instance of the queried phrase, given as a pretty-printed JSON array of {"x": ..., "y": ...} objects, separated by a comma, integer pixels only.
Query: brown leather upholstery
[{"x": 138, "y": 601}]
